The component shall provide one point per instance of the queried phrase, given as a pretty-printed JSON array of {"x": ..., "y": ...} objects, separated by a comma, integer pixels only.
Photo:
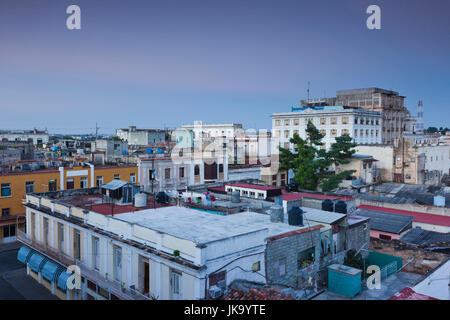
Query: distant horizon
[{"x": 155, "y": 64}]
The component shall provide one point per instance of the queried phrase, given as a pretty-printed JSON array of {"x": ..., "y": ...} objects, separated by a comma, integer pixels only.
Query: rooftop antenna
[{"x": 419, "y": 128}]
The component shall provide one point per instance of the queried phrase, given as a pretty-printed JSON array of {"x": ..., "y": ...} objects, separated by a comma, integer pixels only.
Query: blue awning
[
  {"x": 36, "y": 262},
  {"x": 51, "y": 271},
  {"x": 24, "y": 254},
  {"x": 62, "y": 280}
]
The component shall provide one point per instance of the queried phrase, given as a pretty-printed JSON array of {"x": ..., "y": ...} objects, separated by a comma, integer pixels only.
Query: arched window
[{"x": 196, "y": 170}]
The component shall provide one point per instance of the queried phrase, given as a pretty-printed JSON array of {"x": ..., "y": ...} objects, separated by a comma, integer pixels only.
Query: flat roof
[
  {"x": 386, "y": 222},
  {"x": 203, "y": 227},
  {"x": 322, "y": 216},
  {"x": 299, "y": 195}
]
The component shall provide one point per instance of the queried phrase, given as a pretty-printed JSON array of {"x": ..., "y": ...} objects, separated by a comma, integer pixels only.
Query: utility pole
[{"x": 308, "y": 90}]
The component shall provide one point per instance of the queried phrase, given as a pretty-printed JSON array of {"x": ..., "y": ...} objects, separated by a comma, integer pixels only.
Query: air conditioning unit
[{"x": 215, "y": 292}]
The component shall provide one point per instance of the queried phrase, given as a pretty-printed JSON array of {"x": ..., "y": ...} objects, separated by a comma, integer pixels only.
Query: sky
[{"x": 156, "y": 64}]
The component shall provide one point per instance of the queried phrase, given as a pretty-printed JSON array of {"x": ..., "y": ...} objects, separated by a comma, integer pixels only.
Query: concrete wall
[{"x": 287, "y": 249}]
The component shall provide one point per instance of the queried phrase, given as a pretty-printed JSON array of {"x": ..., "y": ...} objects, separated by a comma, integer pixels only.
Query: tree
[
  {"x": 354, "y": 260},
  {"x": 310, "y": 163}
]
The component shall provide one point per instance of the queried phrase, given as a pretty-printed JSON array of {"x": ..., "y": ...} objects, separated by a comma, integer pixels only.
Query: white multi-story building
[
  {"x": 38, "y": 136},
  {"x": 204, "y": 130},
  {"x": 332, "y": 121}
]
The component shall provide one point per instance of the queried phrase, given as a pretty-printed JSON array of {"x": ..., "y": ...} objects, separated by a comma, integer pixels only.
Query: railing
[
  {"x": 45, "y": 249},
  {"x": 112, "y": 285}
]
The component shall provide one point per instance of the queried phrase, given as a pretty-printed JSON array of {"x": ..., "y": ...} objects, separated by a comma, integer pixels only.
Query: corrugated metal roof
[
  {"x": 420, "y": 237},
  {"x": 387, "y": 222},
  {"x": 114, "y": 185},
  {"x": 321, "y": 216}
]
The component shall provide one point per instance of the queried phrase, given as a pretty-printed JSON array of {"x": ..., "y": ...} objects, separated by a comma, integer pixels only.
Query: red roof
[
  {"x": 429, "y": 218},
  {"x": 299, "y": 195},
  {"x": 252, "y": 186},
  {"x": 409, "y": 294}
]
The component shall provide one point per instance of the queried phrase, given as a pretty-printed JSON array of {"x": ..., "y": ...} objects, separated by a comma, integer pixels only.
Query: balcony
[{"x": 113, "y": 286}]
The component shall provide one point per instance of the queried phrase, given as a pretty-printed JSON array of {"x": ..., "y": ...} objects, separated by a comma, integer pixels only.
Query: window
[
  {"x": 29, "y": 186},
  {"x": 83, "y": 183},
  {"x": 333, "y": 120},
  {"x": 287, "y": 122},
  {"x": 6, "y": 190},
  {"x": 175, "y": 285},
  {"x": 385, "y": 237},
  {"x": 5, "y": 212},
  {"x": 256, "y": 266},
  {"x": 286, "y": 133},
  {"x": 333, "y": 132},
  {"x": 220, "y": 168},
  {"x": 356, "y": 120},
  {"x": 323, "y": 132},
  {"x": 61, "y": 236},
  {"x": 356, "y": 132},
  {"x": 377, "y": 122},
  {"x": 361, "y": 133},
  {"x": 367, "y": 121},
  {"x": 117, "y": 176},
  {"x": 196, "y": 170},
  {"x": 296, "y": 122},
  {"x": 344, "y": 131},
  {"x": 117, "y": 263},
  {"x": 376, "y": 133},
  {"x": 69, "y": 184},
  {"x": 295, "y": 131},
  {"x": 277, "y": 122},
  {"x": 52, "y": 185},
  {"x": 281, "y": 266},
  {"x": 99, "y": 181},
  {"x": 371, "y": 133},
  {"x": 367, "y": 132},
  {"x": 344, "y": 120},
  {"x": 323, "y": 120},
  {"x": 77, "y": 244},
  {"x": 167, "y": 173},
  {"x": 260, "y": 194},
  {"x": 252, "y": 193},
  {"x": 9, "y": 231},
  {"x": 286, "y": 145},
  {"x": 181, "y": 172},
  {"x": 46, "y": 231},
  {"x": 133, "y": 177},
  {"x": 95, "y": 253},
  {"x": 277, "y": 133},
  {"x": 305, "y": 258},
  {"x": 361, "y": 121}
]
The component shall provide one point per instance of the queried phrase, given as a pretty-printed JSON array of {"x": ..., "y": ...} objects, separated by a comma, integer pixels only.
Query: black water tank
[
  {"x": 295, "y": 216},
  {"x": 161, "y": 197},
  {"x": 327, "y": 205},
  {"x": 340, "y": 207}
]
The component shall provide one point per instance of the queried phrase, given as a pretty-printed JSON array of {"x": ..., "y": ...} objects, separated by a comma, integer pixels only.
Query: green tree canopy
[{"x": 310, "y": 163}]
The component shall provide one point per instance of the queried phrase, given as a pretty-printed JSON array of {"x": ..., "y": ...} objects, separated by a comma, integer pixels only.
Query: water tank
[
  {"x": 327, "y": 205},
  {"x": 235, "y": 197},
  {"x": 295, "y": 216},
  {"x": 276, "y": 213},
  {"x": 161, "y": 197},
  {"x": 340, "y": 207},
  {"x": 140, "y": 200},
  {"x": 439, "y": 201}
]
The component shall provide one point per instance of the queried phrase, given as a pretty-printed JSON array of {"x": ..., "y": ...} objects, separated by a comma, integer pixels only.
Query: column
[
  {"x": 225, "y": 168},
  {"x": 61, "y": 178},
  {"x": 218, "y": 169},
  {"x": 161, "y": 179},
  {"x": 92, "y": 175},
  {"x": 175, "y": 176},
  {"x": 191, "y": 173},
  {"x": 202, "y": 171},
  {"x": 38, "y": 226}
]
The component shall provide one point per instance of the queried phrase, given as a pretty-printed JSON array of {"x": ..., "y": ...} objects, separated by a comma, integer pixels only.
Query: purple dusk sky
[{"x": 165, "y": 63}]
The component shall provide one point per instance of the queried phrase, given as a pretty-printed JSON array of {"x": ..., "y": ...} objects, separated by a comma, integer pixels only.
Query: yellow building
[{"x": 15, "y": 185}]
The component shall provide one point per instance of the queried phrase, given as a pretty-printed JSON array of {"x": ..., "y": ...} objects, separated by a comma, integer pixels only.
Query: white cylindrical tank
[{"x": 140, "y": 200}]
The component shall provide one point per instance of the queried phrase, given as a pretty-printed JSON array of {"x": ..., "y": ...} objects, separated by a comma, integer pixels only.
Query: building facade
[
  {"x": 37, "y": 136},
  {"x": 389, "y": 103},
  {"x": 142, "y": 137},
  {"x": 15, "y": 186},
  {"x": 332, "y": 121},
  {"x": 168, "y": 253}
]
